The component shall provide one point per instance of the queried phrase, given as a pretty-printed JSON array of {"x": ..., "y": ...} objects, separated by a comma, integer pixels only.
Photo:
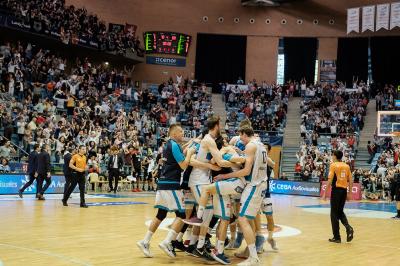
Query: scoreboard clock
[{"x": 157, "y": 42}]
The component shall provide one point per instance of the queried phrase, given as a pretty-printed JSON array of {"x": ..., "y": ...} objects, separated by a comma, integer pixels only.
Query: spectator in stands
[
  {"x": 6, "y": 150},
  {"x": 4, "y": 167}
]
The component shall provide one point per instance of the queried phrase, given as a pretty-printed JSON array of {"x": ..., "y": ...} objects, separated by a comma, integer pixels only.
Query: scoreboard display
[{"x": 156, "y": 42}]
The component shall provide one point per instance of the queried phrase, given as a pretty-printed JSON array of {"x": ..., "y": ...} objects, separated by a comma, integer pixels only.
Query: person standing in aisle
[
  {"x": 67, "y": 171},
  {"x": 43, "y": 171}
]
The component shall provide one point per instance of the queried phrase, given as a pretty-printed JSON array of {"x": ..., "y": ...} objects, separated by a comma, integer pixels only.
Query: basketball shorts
[
  {"x": 190, "y": 201},
  {"x": 250, "y": 202},
  {"x": 231, "y": 186},
  {"x": 196, "y": 190},
  {"x": 170, "y": 200},
  {"x": 222, "y": 206}
]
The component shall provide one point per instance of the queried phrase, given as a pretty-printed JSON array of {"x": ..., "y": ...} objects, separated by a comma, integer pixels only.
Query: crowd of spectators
[
  {"x": 93, "y": 105},
  {"x": 331, "y": 118},
  {"x": 72, "y": 23},
  {"x": 264, "y": 104}
]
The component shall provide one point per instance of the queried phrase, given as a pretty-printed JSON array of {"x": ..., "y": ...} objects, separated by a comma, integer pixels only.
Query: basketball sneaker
[
  {"x": 350, "y": 234},
  {"x": 202, "y": 253},
  {"x": 190, "y": 251},
  {"x": 145, "y": 248},
  {"x": 221, "y": 258},
  {"x": 272, "y": 242},
  {"x": 168, "y": 249},
  {"x": 250, "y": 262},
  {"x": 194, "y": 221},
  {"x": 178, "y": 245}
]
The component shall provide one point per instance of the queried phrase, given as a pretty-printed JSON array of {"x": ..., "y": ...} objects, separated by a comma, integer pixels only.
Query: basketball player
[
  {"x": 255, "y": 174},
  {"x": 339, "y": 178},
  {"x": 396, "y": 185},
  {"x": 169, "y": 197},
  {"x": 221, "y": 191},
  {"x": 266, "y": 208},
  {"x": 200, "y": 177}
]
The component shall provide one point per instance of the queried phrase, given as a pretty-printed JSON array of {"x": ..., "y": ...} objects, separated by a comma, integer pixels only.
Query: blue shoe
[
  {"x": 239, "y": 239},
  {"x": 260, "y": 243},
  {"x": 221, "y": 258}
]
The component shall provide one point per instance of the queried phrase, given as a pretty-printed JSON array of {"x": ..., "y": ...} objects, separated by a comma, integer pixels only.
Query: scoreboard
[{"x": 156, "y": 42}]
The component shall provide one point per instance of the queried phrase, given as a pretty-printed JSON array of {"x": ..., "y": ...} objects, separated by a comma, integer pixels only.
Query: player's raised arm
[{"x": 216, "y": 154}]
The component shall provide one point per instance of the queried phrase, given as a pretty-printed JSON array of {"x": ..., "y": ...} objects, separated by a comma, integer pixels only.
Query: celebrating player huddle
[{"x": 227, "y": 183}]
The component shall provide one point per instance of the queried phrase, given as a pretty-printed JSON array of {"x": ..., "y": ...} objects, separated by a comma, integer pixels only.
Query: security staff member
[
  {"x": 43, "y": 170},
  {"x": 32, "y": 168},
  {"x": 78, "y": 166},
  {"x": 339, "y": 178},
  {"x": 115, "y": 163},
  {"x": 67, "y": 171}
]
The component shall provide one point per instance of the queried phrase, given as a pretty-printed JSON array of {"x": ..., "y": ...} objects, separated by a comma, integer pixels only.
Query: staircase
[
  {"x": 291, "y": 138},
  {"x": 366, "y": 135},
  {"x": 219, "y": 108}
]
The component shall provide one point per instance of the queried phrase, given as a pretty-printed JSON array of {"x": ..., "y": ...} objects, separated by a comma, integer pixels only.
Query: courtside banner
[
  {"x": 294, "y": 188},
  {"x": 356, "y": 191},
  {"x": 11, "y": 183}
]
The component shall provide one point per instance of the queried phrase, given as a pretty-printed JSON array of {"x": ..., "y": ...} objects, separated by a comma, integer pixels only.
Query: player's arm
[
  {"x": 350, "y": 180},
  {"x": 180, "y": 157},
  {"x": 330, "y": 179},
  {"x": 270, "y": 162},
  {"x": 216, "y": 154},
  {"x": 198, "y": 164},
  {"x": 249, "y": 151}
]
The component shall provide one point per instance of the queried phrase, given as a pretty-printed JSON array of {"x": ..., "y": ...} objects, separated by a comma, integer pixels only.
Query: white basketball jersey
[
  {"x": 259, "y": 170},
  {"x": 200, "y": 176}
]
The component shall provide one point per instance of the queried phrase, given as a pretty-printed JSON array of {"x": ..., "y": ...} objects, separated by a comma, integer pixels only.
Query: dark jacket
[
  {"x": 43, "y": 163},
  {"x": 67, "y": 159},
  {"x": 32, "y": 163},
  {"x": 110, "y": 164}
]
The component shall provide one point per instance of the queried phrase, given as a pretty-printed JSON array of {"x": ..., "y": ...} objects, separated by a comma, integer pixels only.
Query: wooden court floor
[{"x": 46, "y": 233}]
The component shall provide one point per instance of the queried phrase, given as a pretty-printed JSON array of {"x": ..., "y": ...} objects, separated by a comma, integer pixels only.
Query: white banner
[
  {"x": 353, "y": 20},
  {"x": 395, "y": 15},
  {"x": 368, "y": 18},
  {"x": 382, "y": 17}
]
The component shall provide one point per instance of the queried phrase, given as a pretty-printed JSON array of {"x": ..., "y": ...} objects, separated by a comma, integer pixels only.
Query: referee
[
  {"x": 78, "y": 166},
  {"x": 339, "y": 178}
]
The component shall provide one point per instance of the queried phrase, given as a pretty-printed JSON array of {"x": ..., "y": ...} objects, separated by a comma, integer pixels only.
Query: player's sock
[
  {"x": 179, "y": 237},
  {"x": 193, "y": 239},
  {"x": 170, "y": 236},
  {"x": 253, "y": 251},
  {"x": 200, "y": 211},
  {"x": 202, "y": 240},
  {"x": 220, "y": 246},
  {"x": 270, "y": 234},
  {"x": 147, "y": 237}
]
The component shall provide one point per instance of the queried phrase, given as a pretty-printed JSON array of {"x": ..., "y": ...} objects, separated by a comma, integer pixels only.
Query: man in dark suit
[
  {"x": 32, "y": 167},
  {"x": 67, "y": 171},
  {"x": 43, "y": 170},
  {"x": 115, "y": 163}
]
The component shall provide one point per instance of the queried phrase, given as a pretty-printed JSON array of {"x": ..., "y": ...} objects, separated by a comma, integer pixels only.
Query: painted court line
[{"x": 55, "y": 255}]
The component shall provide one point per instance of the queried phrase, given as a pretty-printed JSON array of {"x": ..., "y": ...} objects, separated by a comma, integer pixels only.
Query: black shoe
[
  {"x": 202, "y": 253},
  {"x": 335, "y": 240},
  {"x": 84, "y": 206},
  {"x": 115, "y": 192},
  {"x": 64, "y": 203},
  {"x": 350, "y": 234},
  {"x": 109, "y": 191},
  {"x": 190, "y": 250},
  {"x": 397, "y": 217},
  {"x": 40, "y": 197},
  {"x": 178, "y": 245},
  {"x": 20, "y": 194}
]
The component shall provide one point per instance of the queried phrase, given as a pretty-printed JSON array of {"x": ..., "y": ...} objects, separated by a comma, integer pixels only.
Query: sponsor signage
[
  {"x": 11, "y": 183},
  {"x": 356, "y": 191},
  {"x": 156, "y": 60},
  {"x": 294, "y": 188}
]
